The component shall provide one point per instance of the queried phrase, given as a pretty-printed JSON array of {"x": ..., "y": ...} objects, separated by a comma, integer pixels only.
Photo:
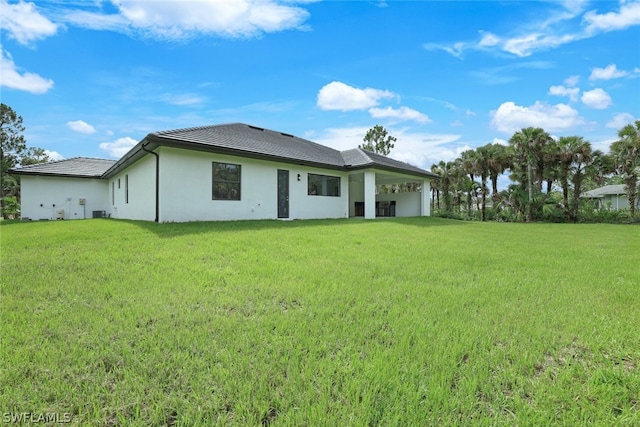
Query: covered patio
[{"x": 365, "y": 199}]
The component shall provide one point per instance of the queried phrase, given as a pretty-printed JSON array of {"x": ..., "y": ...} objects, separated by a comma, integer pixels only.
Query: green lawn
[{"x": 420, "y": 321}]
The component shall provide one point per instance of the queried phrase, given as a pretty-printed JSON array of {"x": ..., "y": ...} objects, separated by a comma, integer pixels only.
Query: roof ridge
[
  {"x": 90, "y": 158},
  {"x": 192, "y": 128}
]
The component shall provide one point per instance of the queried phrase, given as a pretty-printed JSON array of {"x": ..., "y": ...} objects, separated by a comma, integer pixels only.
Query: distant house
[
  {"x": 224, "y": 172},
  {"x": 610, "y": 197}
]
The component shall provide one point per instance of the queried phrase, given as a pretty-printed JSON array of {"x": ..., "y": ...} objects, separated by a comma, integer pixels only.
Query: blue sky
[{"x": 91, "y": 78}]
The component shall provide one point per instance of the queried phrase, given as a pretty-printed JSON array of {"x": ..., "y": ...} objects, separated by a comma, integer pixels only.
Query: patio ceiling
[{"x": 385, "y": 178}]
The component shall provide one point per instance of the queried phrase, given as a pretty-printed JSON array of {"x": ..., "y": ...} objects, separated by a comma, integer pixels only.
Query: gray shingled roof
[
  {"x": 600, "y": 192},
  {"x": 80, "y": 167},
  {"x": 236, "y": 138},
  {"x": 254, "y": 140},
  {"x": 358, "y": 158}
]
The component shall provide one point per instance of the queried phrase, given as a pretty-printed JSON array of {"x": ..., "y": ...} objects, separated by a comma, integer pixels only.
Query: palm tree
[
  {"x": 551, "y": 173},
  {"x": 467, "y": 163},
  {"x": 498, "y": 161},
  {"x": 446, "y": 177},
  {"x": 483, "y": 159},
  {"x": 626, "y": 152},
  {"x": 573, "y": 152},
  {"x": 601, "y": 166},
  {"x": 435, "y": 186},
  {"x": 581, "y": 159},
  {"x": 528, "y": 144}
]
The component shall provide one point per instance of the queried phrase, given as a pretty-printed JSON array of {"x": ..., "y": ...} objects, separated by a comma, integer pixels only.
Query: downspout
[{"x": 157, "y": 180}]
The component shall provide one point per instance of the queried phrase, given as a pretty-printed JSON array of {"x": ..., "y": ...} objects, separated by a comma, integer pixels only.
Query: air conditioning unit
[{"x": 59, "y": 213}]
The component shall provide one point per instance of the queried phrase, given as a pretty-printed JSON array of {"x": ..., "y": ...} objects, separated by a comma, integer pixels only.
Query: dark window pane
[
  {"x": 226, "y": 181},
  {"x": 323, "y": 185}
]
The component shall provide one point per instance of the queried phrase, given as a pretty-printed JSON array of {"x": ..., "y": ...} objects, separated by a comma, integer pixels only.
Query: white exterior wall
[
  {"x": 407, "y": 204},
  {"x": 142, "y": 191},
  {"x": 186, "y": 189},
  {"x": 425, "y": 195},
  {"x": 616, "y": 201},
  {"x": 42, "y": 196}
]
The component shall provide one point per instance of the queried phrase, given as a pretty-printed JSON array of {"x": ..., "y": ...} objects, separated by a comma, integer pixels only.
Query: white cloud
[
  {"x": 183, "y": 99},
  {"x": 399, "y": 114},
  {"x": 456, "y": 49},
  {"x": 489, "y": 39},
  {"x": 571, "y": 92},
  {"x": 555, "y": 28},
  {"x": 13, "y": 79},
  {"x": 119, "y": 147},
  {"x": 596, "y": 98},
  {"x": 339, "y": 96},
  {"x": 526, "y": 44},
  {"x": 172, "y": 20},
  {"x": 627, "y": 16},
  {"x": 509, "y": 117},
  {"x": 572, "y": 81},
  {"x": 54, "y": 155},
  {"x": 620, "y": 120},
  {"x": 81, "y": 126},
  {"x": 607, "y": 73},
  {"x": 500, "y": 141},
  {"x": 603, "y": 145},
  {"x": 24, "y": 23}
]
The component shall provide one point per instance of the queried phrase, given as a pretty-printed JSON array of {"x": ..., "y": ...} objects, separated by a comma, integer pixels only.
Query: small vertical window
[
  {"x": 126, "y": 188},
  {"x": 113, "y": 193},
  {"x": 118, "y": 183}
]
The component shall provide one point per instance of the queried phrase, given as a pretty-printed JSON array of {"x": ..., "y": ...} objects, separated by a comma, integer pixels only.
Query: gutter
[{"x": 143, "y": 146}]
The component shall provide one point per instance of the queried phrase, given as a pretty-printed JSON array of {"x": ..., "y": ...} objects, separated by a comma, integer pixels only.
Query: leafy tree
[
  {"x": 12, "y": 145},
  {"x": 378, "y": 140},
  {"x": 34, "y": 156},
  {"x": 626, "y": 152},
  {"x": 13, "y": 152}
]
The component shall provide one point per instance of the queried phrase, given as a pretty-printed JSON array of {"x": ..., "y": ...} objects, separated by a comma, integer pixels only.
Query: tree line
[
  {"x": 537, "y": 165},
  {"x": 547, "y": 177}
]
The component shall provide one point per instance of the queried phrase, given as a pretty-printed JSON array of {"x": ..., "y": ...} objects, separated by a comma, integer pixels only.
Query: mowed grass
[{"x": 420, "y": 321}]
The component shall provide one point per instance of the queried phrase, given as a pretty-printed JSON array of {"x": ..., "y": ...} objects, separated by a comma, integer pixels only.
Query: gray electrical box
[{"x": 82, "y": 201}]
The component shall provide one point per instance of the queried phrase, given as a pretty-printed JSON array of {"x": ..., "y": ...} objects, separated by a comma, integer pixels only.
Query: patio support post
[
  {"x": 425, "y": 198},
  {"x": 369, "y": 194}
]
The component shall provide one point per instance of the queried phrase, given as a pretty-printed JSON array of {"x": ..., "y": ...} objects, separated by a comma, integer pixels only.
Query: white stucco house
[
  {"x": 610, "y": 197},
  {"x": 223, "y": 172}
]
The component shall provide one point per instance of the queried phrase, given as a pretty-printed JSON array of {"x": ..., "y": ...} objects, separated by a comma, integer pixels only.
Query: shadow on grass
[
  {"x": 186, "y": 228},
  {"x": 7, "y": 222}
]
